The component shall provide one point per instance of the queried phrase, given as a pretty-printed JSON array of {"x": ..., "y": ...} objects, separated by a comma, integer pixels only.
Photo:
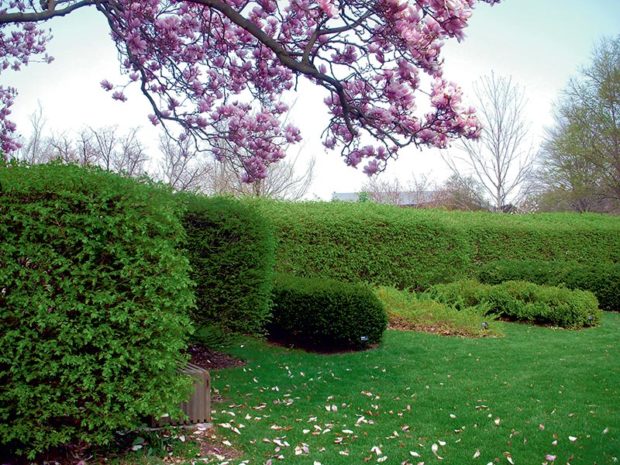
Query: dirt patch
[{"x": 211, "y": 360}]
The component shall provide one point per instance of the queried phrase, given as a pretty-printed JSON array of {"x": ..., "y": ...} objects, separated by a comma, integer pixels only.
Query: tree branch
[{"x": 37, "y": 16}]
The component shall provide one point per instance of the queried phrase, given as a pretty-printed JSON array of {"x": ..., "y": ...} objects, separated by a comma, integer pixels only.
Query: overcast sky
[{"x": 540, "y": 43}]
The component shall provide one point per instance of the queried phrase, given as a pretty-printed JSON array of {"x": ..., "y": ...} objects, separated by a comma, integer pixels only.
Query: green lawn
[{"x": 534, "y": 392}]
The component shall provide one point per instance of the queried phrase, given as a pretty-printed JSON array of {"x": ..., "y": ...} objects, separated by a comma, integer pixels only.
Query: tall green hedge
[
  {"x": 584, "y": 238},
  {"x": 602, "y": 279},
  {"x": 231, "y": 250},
  {"x": 366, "y": 242},
  {"x": 94, "y": 295},
  {"x": 405, "y": 247}
]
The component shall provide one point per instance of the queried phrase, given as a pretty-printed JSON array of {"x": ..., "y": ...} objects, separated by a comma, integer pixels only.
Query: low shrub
[
  {"x": 602, "y": 279},
  {"x": 231, "y": 251},
  {"x": 325, "y": 314},
  {"x": 94, "y": 294},
  {"x": 409, "y": 311},
  {"x": 523, "y": 301}
]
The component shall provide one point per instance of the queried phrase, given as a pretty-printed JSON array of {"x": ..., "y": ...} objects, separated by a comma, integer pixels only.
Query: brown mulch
[
  {"x": 402, "y": 324},
  {"x": 211, "y": 360}
]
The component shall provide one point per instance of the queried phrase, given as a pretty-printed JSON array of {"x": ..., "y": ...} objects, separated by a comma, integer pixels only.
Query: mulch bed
[{"x": 211, "y": 360}]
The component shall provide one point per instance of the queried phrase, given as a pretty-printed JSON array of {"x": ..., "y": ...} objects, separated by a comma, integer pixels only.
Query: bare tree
[
  {"x": 62, "y": 148},
  {"x": 501, "y": 160},
  {"x": 456, "y": 193},
  {"x": 418, "y": 191},
  {"x": 461, "y": 193},
  {"x": 284, "y": 180},
  {"x": 130, "y": 156},
  {"x": 181, "y": 168},
  {"x": 382, "y": 190},
  {"x": 36, "y": 148},
  {"x": 85, "y": 151},
  {"x": 105, "y": 147},
  {"x": 122, "y": 153}
]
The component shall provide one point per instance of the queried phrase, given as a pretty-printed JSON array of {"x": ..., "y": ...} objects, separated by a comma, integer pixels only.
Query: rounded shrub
[
  {"x": 325, "y": 314},
  {"x": 94, "y": 294},
  {"x": 231, "y": 251},
  {"x": 523, "y": 301},
  {"x": 602, "y": 279}
]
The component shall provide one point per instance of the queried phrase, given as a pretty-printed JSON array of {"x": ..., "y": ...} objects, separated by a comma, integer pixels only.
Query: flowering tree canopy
[{"x": 219, "y": 69}]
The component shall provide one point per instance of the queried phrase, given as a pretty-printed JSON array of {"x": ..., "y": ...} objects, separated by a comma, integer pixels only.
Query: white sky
[{"x": 540, "y": 43}]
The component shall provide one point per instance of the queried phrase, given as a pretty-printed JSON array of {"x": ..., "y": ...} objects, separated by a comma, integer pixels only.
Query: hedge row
[
  {"x": 408, "y": 248},
  {"x": 325, "y": 314},
  {"x": 523, "y": 301},
  {"x": 602, "y": 279},
  {"x": 94, "y": 295},
  {"x": 231, "y": 250},
  {"x": 365, "y": 242}
]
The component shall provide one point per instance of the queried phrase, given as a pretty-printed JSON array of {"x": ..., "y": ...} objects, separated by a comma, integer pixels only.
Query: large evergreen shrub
[
  {"x": 231, "y": 250},
  {"x": 93, "y": 301},
  {"x": 602, "y": 279},
  {"x": 326, "y": 314}
]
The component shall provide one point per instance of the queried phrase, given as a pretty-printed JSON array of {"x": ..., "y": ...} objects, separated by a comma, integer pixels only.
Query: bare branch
[
  {"x": 48, "y": 13},
  {"x": 501, "y": 161}
]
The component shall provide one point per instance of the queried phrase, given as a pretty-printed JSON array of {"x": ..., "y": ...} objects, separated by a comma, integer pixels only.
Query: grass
[
  {"x": 408, "y": 311},
  {"x": 521, "y": 396}
]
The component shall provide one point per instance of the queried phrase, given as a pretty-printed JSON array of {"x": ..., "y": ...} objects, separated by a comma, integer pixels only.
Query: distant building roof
[{"x": 346, "y": 196}]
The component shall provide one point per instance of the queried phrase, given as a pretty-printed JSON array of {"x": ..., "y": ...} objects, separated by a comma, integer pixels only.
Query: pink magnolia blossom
[
  {"x": 219, "y": 68},
  {"x": 106, "y": 85}
]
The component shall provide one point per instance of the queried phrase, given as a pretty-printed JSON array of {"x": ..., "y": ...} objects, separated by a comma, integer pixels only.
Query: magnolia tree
[{"x": 218, "y": 68}]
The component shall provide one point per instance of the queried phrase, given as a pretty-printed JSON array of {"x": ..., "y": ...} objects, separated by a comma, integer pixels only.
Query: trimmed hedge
[
  {"x": 93, "y": 303},
  {"x": 231, "y": 251},
  {"x": 411, "y": 248},
  {"x": 365, "y": 242},
  {"x": 602, "y": 279},
  {"x": 523, "y": 301},
  {"x": 584, "y": 238},
  {"x": 325, "y": 314}
]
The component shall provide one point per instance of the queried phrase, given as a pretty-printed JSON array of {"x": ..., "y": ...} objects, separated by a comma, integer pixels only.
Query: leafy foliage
[
  {"x": 523, "y": 301},
  {"x": 93, "y": 303},
  {"x": 231, "y": 250},
  {"x": 409, "y": 311},
  {"x": 408, "y": 248},
  {"x": 326, "y": 314},
  {"x": 602, "y": 279}
]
